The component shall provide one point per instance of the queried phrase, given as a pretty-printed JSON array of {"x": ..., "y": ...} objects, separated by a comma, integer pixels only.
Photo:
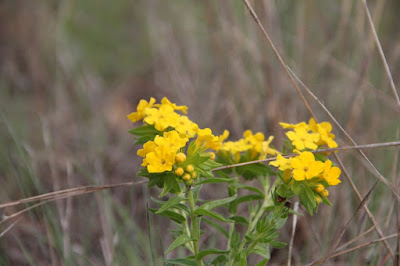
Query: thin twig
[
  {"x": 356, "y": 147},
  {"x": 382, "y": 55},
  {"x": 66, "y": 192},
  {"x": 356, "y": 247}
]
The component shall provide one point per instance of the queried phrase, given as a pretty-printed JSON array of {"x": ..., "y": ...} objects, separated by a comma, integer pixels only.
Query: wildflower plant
[{"x": 181, "y": 158}]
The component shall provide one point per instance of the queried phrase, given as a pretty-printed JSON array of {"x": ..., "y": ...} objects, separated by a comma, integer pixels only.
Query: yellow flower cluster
[
  {"x": 176, "y": 129},
  {"x": 305, "y": 167},
  {"x": 159, "y": 155},
  {"x": 311, "y": 135},
  {"x": 258, "y": 148}
]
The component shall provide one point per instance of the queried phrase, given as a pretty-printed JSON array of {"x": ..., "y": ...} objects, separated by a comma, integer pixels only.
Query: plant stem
[
  {"x": 260, "y": 212},
  {"x": 195, "y": 228}
]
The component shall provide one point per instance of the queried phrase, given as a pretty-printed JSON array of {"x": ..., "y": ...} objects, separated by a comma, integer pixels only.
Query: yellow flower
[
  {"x": 324, "y": 129},
  {"x": 147, "y": 147},
  {"x": 282, "y": 163},
  {"x": 206, "y": 139},
  {"x": 267, "y": 150},
  {"x": 331, "y": 174},
  {"x": 302, "y": 139},
  {"x": 182, "y": 108},
  {"x": 305, "y": 166},
  {"x": 291, "y": 126},
  {"x": 140, "y": 110},
  {"x": 172, "y": 140},
  {"x": 161, "y": 118},
  {"x": 185, "y": 126},
  {"x": 160, "y": 160}
]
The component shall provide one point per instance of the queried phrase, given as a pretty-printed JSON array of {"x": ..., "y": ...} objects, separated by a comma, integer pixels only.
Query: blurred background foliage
[{"x": 70, "y": 72}]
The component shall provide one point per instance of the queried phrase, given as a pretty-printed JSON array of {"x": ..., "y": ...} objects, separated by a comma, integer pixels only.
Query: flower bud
[
  {"x": 189, "y": 168},
  {"x": 212, "y": 155},
  {"x": 194, "y": 175},
  {"x": 179, "y": 171},
  {"x": 325, "y": 193},
  {"x": 186, "y": 177},
  {"x": 320, "y": 188},
  {"x": 180, "y": 157}
]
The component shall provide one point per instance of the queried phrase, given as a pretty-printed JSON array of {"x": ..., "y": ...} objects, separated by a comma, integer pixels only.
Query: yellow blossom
[
  {"x": 206, "y": 139},
  {"x": 305, "y": 166},
  {"x": 324, "y": 129},
  {"x": 140, "y": 110},
  {"x": 171, "y": 139},
  {"x": 302, "y": 139},
  {"x": 194, "y": 175},
  {"x": 161, "y": 118},
  {"x": 185, "y": 126},
  {"x": 292, "y": 126},
  {"x": 266, "y": 149},
  {"x": 331, "y": 174},
  {"x": 160, "y": 160},
  {"x": 147, "y": 147},
  {"x": 282, "y": 163},
  {"x": 182, "y": 108}
]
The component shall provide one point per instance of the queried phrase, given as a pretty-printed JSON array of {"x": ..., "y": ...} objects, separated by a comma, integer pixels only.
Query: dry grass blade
[
  {"x": 378, "y": 174},
  {"x": 356, "y": 147},
  {"x": 357, "y": 247},
  {"x": 356, "y": 238},
  {"x": 360, "y": 206},
  {"x": 286, "y": 68},
  {"x": 382, "y": 55},
  {"x": 68, "y": 192},
  {"x": 8, "y": 228}
]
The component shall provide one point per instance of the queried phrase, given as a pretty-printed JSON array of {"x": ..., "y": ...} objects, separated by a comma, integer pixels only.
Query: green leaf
[
  {"x": 144, "y": 130},
  {"x": 326, "y": 201},
  {"x": 262, "y": 263},
  {"x": 209, "y": 251},
  {"x": 216, "y": 226},
  {"x": 215, "y": 203},
  {"x": 176, "y": 217},
  {"x": 307, "y": 199},
  {"x": 170, "y": 203},
  {"x": 169, "y": 183},
  {"x": 213, "y": 215},
  {"x": 243, "y": 186},
  {"x": 239, "y": 219},
  {"x": 216, "y": 180},
  {"x": 220, "y": 260},
  {"x": 277, "y": 244},
  {"x": 182, "y": 261},
  {"x": 262, "y": 250},
  {"x": 179, "y": 241},
  {"x": 243, "y": 258}
]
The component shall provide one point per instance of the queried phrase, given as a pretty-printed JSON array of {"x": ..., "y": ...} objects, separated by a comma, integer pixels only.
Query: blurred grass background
[{"x": 70, "y": 72}]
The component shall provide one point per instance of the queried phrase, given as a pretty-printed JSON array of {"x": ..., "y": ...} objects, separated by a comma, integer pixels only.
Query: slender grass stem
[{"x": 195, "y": 228}]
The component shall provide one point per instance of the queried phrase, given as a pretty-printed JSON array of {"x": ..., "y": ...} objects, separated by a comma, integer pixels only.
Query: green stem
[
  {"x": 267, "y": 202},
  {"x": 195, "y": 228}
]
